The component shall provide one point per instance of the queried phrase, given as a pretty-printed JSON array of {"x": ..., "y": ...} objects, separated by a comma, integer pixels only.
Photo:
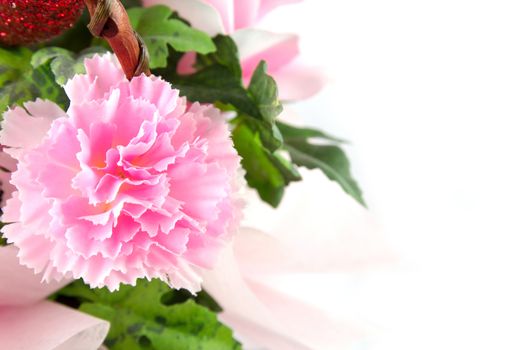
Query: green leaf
[
  {"x": 268, "y": 132},
  {"x": 266, "y": 171},
  {"x": 13, "y": 63},
  {"x": 298, "y": 134},
  {"x": 264, "y": 92},
  {"x": 63, "y": 63},
  {"x": 226, "y": 55},
  {"x": 219, "y": 79},
  {"x": 141, "y": 318},
  {"x": 159, "y": 30},
  {"x": 329, "y": 158},
  {"x": 216, "y": 84},
  {"x": 20, "y": 82}
]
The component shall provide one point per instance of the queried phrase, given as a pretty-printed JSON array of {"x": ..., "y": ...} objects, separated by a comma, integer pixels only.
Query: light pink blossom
[
  {"x": 296, "y": 80},
  {"x": 130, "y": 183},
  {"x": 28, "y": 321},
  {"x": 271, "y": 281}
]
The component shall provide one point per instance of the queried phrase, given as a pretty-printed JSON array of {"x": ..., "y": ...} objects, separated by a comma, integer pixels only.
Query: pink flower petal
[
  {"x": 353, "y": 241},
  {"x": 20, "y": 285},
  {"x": 226, "y": 11},
  {"x": 221, "y": 16},
  {"x": 103, "y": 73},
  {"x": 21, "y": 129},
  {"x": 156, "y": 91},
  {"x": 299, "y": 82},
  {"x": 82, "y": 114},
  {"x": 50, "y": 326},
  {"x": 246, "y": 13},
  {"x": 186, "y": 64},
  {"x": 256, "y": 281},
  {"x": 269, "y": 5},
  {"x": 256, "y": 45}
]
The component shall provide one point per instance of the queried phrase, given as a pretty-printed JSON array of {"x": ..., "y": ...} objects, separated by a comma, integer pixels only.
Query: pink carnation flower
[{"x": 131, "y": 182}]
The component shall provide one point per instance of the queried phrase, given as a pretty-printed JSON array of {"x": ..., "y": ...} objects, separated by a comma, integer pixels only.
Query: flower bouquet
[{"x": 144, "y": 162}]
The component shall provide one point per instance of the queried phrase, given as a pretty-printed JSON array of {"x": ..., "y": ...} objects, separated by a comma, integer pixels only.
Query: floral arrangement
[{"x": 139, "y": 141}]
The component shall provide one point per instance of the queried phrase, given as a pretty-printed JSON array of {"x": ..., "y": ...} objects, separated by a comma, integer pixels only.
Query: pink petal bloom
[
  {"x": 221, "y": 16},
  {"x": 27, "y": 321},
  {"x": 296, "y": 80},
  {"x": 271, "y": 281},
  {"x": 130, "y": 183}
]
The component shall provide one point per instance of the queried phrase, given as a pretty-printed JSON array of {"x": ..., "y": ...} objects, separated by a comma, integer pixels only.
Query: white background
[{"x": 432, "y": 96}]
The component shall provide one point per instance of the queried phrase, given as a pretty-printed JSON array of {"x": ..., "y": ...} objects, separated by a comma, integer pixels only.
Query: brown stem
[{"x": 110, "y": 20}]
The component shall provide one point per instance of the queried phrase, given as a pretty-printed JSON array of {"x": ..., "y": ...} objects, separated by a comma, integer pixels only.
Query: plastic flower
[
  {"x": 131, "y": 182},
  {"x": 28, "y": 321},
  {"x": 296, "y": 80},
  {"x": 269, "y": 282}
]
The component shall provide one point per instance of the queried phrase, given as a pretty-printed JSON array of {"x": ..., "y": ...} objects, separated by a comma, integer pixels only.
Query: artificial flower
[
  {"x": 27, "y": 321},
  {"x": 271, "y": 282},
  {"x": 131, "y": 182},
  {"x": 295, "y": 79}
]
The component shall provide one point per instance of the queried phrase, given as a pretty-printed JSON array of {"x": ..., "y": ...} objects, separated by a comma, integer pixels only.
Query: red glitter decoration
[{"x": 24, "y": 22}]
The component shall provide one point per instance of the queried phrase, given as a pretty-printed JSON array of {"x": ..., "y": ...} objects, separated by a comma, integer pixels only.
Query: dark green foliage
[{"x": 325, "y": 155}]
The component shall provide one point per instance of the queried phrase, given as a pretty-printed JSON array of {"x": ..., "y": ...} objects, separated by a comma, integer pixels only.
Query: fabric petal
[
  {"x": 352, "y": 241},
  {"x": 103, "y": 73},
  {"x": 50, "y": 326},
  {"x": 256, "y": 45},
  {"x": 22, "y": 129},
  {"x": 269, "y": 314},
  {"x": 156, "y": 91},
  {"x": 226, "y": 10},
  {"x": 299, "y": 82},
  {"x": 269, "y": 282},
  {"x": 269, "y": 5},
  {"x": 20, "y": 285},
  {"x": 246, "y": 13}
]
